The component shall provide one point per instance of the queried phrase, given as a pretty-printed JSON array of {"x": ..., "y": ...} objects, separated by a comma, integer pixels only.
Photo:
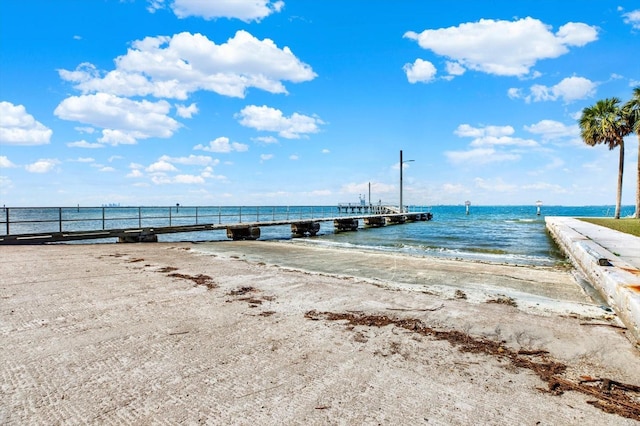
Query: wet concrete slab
[{"x": 539, "y": 287}]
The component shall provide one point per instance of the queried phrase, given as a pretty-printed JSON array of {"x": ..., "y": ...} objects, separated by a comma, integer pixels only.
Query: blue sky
[{"x": 259, "y": 102}]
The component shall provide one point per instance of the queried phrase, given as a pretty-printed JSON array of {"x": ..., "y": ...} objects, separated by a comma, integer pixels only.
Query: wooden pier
[{"x": 239, "y": 230}]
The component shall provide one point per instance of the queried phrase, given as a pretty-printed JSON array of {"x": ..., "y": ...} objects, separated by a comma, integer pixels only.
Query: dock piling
[
  {"x": 301, "y": 229},
  {"x": 342, "y": 225},
  {"x": 243, "y": 232}
]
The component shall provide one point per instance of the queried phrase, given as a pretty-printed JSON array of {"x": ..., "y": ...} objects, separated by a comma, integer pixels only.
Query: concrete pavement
[
  {"x": 164, "y": 333},
  {"x": 609, "y": 259}
]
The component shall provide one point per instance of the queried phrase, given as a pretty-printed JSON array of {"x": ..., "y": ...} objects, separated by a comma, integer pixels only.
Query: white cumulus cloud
[
  {"x": 192, "y": 160},
  {"x": 632, "y": 18},
  {"x": 18, "y": 127},
  {"x": 420, "y": 71},
  {"x": 44, "y": 165},
  {"x": 492, "y": 136},
  {"x": 135, "y": 173},
  {"x": 273, "y": 120},
  {"x": 265, "y": 139},
  {"x": 454, "y": 68},
  {"x": 483, "y": 148},
  {"x": 163, "y": 171},
  {"x": 551, "y": 130},
  {"x": 245, "y": 10},
  {"x": 222, "y": 145},
  {"x": 466, "y": 130},
  {"x": 186, "y": 111},
  {"x": 161, "y": 166},
  {"x": 174, "y": 67},
  {"x": 505, "y": 48},
  {"x": 189, "y": 179},
  {"x": 569, "y": 89},
  {"x": 5, "y": 163},
  {"x": 84, "y": 144},
  {"x": 124, "y": 121}
]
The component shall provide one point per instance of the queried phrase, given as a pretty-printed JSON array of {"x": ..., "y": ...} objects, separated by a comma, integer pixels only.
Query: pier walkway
[{"x": 127, "y": 224}]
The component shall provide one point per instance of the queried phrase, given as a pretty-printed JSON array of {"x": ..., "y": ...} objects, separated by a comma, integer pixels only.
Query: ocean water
[{"x": 502, "y": 234}]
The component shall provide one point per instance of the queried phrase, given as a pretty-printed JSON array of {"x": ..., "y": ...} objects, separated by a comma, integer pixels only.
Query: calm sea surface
[{"x": 505, "y": 234}]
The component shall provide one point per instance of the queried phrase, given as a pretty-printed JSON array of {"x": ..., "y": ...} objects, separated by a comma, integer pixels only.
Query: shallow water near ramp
[{"x": 480, "y": 281}]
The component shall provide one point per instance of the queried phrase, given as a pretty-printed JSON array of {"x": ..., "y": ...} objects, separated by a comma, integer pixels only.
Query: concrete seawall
[{"x": 609, "y": 259}]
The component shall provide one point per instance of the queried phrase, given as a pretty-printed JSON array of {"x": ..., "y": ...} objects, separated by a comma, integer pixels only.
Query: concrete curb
[{"x": 616, "y": 280}]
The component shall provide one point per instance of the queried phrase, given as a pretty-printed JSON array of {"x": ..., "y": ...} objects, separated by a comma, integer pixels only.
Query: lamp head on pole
[{"x": 401, "y": 206}]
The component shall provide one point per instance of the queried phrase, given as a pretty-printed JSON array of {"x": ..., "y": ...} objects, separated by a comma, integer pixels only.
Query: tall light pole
[{"x": 401, "y": 165}]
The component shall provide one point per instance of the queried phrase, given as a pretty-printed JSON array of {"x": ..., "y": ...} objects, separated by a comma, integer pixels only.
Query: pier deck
[{"x": 236, "y": 230}]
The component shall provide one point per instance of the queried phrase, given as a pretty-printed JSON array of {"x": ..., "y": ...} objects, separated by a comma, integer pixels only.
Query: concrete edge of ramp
[{"x": 616, "y": 280}]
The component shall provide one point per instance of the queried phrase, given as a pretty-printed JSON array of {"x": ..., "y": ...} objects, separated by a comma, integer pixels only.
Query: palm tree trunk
[
  {"x": 638, "y": 183},
  {"x": 620, "y": 171}
]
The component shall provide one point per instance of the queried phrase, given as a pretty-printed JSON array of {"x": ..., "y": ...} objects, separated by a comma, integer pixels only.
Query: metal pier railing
[{"x": 33, "y": 225}]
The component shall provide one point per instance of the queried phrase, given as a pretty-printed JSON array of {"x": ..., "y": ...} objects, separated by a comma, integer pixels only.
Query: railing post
[
  {"x": 240, "y": 219},
  {"x": 219, "y": 215},
  {"x": 6, "y": 210},
  {"x": 103, "y": 218},
  {"x": 60, "y": 218},
  {"x": 169, "y": 216},
  {"x": 196, "y": 215},
  {"x": 139, "y": 217},
  {"x": 257, "y": 213}
]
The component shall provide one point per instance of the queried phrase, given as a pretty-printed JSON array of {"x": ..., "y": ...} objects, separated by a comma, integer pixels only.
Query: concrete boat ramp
[
  {"x": 609, "y": 259},
  {"x": 162, "y": 333}
]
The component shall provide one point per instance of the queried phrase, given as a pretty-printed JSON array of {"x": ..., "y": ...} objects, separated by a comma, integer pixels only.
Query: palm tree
[
  {"x": 603, "y": 123},
  {"x": 631, "y": 113}
]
